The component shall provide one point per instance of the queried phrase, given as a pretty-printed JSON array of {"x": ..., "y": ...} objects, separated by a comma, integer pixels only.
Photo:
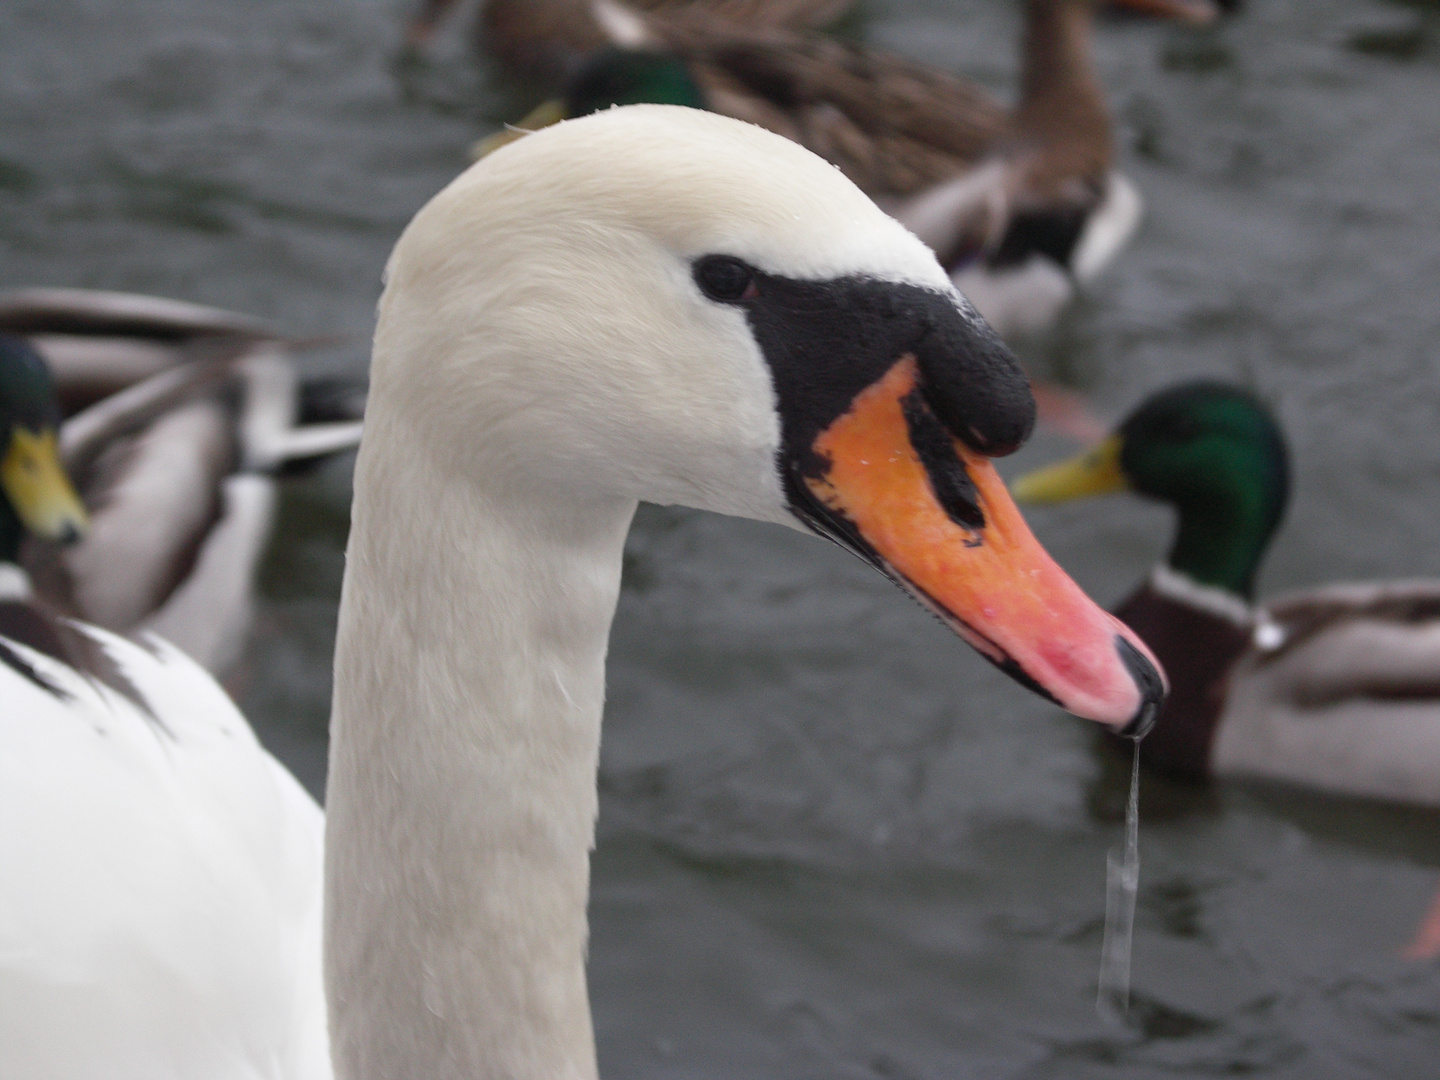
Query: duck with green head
[
  {"x": 1336, "y": 688},
  {"x": 38, "y": 500}
]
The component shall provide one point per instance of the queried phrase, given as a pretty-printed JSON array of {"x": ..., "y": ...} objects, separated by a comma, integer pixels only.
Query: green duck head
[
  {"x": 615, "y": 76},
  {"x": 1211, "y": 450},
  {"x": 612, "y": 76},
  {"x": 35, "y": 493}
]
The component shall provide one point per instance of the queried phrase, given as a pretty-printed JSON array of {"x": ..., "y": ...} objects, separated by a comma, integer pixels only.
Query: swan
[
  {"x": 556, "y": 340},
  {"x": 650, "y": 303}
]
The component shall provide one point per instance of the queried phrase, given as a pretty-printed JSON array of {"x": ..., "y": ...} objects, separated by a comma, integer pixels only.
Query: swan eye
[{"x": 726, "y": 279}]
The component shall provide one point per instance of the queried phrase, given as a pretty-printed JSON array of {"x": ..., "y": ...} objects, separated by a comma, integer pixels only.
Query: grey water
[{"x": 832, "y": 842}]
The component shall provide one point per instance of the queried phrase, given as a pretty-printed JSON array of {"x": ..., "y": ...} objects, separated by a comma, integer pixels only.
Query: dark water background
[{"x": 833, "y": 843}]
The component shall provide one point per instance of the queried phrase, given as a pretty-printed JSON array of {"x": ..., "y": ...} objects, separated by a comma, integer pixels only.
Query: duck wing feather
[
  {"x": 894, "y": 127},
  {"x": 1347, "y": 696}
]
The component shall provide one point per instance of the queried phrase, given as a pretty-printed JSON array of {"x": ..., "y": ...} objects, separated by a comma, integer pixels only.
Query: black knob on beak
[{"x": 1151, "y": 686}]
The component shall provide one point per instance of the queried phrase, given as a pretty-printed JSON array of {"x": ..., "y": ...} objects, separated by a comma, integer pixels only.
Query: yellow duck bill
[
  {"x": 35, "y": 483},
  {"x": 1095, "y": 472}
]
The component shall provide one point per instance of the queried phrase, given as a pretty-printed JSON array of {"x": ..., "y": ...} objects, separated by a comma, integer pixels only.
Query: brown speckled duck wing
[
  {"x": 544, "y": 41},
  {"x": 1198, "y": 650},
  {"x": 756, "y": 14},
  {"x": 155, "y": 497},
  {"x": 99, "y": 343},
  {"x": 540, "y": 41},
  {"x": 894, "y": 127}
]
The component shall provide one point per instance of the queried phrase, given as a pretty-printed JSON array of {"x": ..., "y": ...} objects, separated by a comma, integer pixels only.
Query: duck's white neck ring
[
  {"x": 1169, "y": 582},
  {"x": 1266, "y": 633}
]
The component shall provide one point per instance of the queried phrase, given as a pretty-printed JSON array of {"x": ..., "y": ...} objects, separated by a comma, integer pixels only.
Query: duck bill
[
  {"x": 1095, "y": 472},
  {"x": 892, "y": 483},
  {"x": 35, "y": 482},
  {"x": 542, "y": 116}
]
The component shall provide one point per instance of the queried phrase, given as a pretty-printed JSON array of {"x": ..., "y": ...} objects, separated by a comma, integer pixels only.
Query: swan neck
[{"x": 469, "y": 681}]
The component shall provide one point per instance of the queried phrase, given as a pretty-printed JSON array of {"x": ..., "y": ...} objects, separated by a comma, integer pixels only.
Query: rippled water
[{"x": 833, "y": 843}]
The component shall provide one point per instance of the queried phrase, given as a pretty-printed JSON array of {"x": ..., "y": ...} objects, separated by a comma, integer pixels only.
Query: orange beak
[{"x": 935, "y": 516}]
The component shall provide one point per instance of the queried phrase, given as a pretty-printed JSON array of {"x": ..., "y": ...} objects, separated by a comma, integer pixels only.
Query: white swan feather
[{"x": 160, "y": 899}]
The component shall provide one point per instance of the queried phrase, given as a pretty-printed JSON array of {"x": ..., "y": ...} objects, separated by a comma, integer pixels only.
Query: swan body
[
  {"x": 159, "y": 872},
  {"x": 160, "y": 903},
  {"x": 648, "y": 303},
  {"x": 179, "y": 416},
  {"x": 1333, "y": 688}
]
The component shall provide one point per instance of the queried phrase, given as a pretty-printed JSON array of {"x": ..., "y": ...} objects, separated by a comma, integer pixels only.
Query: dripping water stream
[{"x": 1122, "y": 883}]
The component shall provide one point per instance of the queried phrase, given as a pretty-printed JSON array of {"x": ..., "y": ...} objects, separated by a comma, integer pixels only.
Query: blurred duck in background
[
  {"x": 1335, "y": 688},
  {"x": 546, "y": 41},
  {"x": 179, "y": 418},
  {"x": 1022, "y": 205},
  {"x": 161, "y": 897}
]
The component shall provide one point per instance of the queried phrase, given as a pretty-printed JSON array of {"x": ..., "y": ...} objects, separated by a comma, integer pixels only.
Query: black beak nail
[{"x": 1151, "y": 686}]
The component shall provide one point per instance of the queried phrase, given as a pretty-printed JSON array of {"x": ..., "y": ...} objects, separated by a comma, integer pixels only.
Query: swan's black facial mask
[
  {"x": 892, "y": 399},
  {"x": 827, "y": 341}
]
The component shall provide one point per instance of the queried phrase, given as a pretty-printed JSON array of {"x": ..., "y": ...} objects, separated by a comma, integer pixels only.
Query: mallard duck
[
  {"x": 546, "y": 41},
  {"x": 714, "y": 318},
  {"x": 161, "y": 872},
  {"x": 1020, "y": 205},
  {"x": 179, "y": 417},
  {"x": 1335, "y": 688}
]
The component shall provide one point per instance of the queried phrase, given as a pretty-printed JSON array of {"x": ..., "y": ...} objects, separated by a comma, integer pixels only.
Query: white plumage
[{"x": 160, "y": 898}]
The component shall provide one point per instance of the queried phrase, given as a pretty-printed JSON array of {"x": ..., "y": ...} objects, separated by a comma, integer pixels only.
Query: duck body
[
  {"x": 178, "y": 418},
  {"x": 1333, "y": 688},
  {"x": 1021, "y": 205},
  {"x": 160, "y": 892}
]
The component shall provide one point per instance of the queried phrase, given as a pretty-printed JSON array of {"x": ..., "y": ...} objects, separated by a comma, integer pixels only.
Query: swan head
[{"x": 655, "y": 303}]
